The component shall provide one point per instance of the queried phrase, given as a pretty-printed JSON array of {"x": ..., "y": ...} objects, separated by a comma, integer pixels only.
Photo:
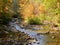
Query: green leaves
[
  {"x": 4, "y": 19},
  {"x": 34, "y": 21}
]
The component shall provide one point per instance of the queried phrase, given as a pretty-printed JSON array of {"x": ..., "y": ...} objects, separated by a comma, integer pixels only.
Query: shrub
[
  {"x": 15, "y": 16},
  {"x": 35, "y": 21},
  {"x": 4, "y": 19}
]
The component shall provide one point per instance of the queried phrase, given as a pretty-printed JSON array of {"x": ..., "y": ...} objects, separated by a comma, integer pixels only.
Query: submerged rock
[{"x": 53, "y": 37}]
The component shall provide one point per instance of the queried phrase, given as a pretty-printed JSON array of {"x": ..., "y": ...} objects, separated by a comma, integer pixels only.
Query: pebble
[{"x": 38, "y": 43}]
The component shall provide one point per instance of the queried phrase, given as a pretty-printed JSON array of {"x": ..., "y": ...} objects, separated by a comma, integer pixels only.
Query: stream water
[{"x": 47, "y": 39}]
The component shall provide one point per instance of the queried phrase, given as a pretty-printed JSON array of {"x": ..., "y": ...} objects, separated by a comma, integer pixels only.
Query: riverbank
[{"x": 41, "y": 38}]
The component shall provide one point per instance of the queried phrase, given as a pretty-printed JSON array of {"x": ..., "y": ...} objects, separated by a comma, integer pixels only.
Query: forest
[{"x": 27, "y": 22}]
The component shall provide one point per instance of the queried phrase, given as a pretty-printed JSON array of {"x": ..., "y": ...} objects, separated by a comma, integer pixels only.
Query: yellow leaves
[
  {"x": 10, "y": 1},
  {"x": 49, "y": 18},
  {"x": 58, "y": 5},
  {"x": 46, "y": 27},
  {"x": 21, "y": 5},
  {"x": 55, "y": 20}
]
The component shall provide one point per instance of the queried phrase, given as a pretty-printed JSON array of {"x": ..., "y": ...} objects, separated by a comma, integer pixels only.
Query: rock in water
[{"x": 53, "y": 37}]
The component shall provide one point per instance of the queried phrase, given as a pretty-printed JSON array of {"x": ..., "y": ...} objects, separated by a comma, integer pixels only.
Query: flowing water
[{"x": 42, "y": 39}]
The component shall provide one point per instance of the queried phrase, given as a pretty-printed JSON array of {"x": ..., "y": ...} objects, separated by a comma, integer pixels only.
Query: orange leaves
[
  {"x": 41, "y": 8},
  {"x": 23, "y": 2},
  {"x": 31, "y": 9},
  {"x": 27, "y": 10},
  {"x": 6, "y": 9}
]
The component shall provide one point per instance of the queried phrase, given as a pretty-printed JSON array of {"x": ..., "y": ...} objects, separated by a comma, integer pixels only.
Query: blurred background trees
[{"x": 43, "y": 9}]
